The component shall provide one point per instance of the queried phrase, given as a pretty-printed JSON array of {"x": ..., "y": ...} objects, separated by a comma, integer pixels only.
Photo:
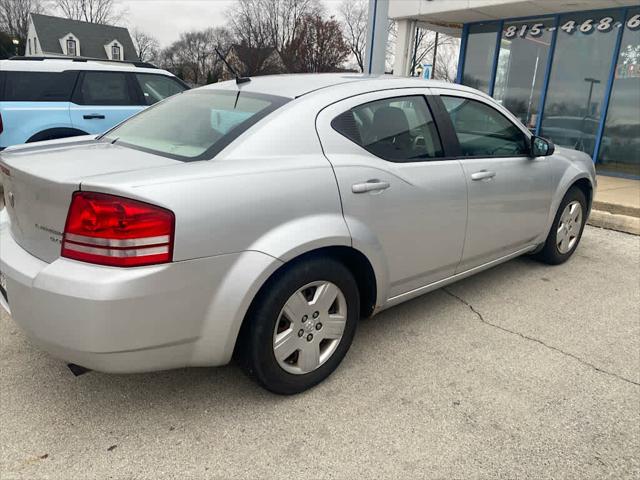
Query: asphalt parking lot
[{"x": 522, "y": 371}]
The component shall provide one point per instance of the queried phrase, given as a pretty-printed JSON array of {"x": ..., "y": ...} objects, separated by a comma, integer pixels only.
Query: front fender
[{"x": 571, "y": 167}]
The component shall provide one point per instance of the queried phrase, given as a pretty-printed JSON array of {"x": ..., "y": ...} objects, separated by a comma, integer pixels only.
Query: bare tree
[
  {"x": 270, "y": 23},
  {"x": 193, "y": 56},
  {"x": 446, "y": 67},
  {"x": 14, "y": 18},
  {"x": 445, "y": 54},
  {"x": 319, "y": 45},
  {"x": 353, "y": 15},
  {"x": 94, "y": 11},
  {"x": 146, "y": 45}
]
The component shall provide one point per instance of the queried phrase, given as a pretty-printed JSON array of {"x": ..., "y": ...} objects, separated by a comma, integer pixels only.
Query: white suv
[{"x": 46, "y": 98}]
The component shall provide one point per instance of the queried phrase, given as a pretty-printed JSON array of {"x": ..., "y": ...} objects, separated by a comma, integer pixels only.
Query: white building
[
  {"x": 54, "y": 36},
  {"x": 569, "y": 70}
]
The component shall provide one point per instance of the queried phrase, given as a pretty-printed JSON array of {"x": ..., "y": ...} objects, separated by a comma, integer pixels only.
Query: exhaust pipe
[{"x": 77, "y": 370}]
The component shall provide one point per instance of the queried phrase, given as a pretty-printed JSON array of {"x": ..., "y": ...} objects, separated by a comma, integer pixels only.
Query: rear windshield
[
  {"x": 38, "y": 86},
  {"x": 194, "y": 125}
]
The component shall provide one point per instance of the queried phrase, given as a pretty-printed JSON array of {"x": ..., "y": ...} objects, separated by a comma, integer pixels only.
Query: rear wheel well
[
  {"x": 54, "y": 133},
  {"x": 357, "y": 264},
  {"x": 355, "y": 261}
]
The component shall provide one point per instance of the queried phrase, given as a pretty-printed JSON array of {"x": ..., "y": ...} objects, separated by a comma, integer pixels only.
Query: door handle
[
  {"x": 93, "y": 116},
  {"x": 370, "y": 186},
  {"x": 483, "y": 175}
]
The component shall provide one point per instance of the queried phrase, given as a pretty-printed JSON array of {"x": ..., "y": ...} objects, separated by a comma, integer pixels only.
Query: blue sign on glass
[{"x": 427, "y": 70}]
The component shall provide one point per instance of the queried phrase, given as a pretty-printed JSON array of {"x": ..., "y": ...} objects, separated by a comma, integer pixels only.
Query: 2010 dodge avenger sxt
[{"x": 265, "y": 218}]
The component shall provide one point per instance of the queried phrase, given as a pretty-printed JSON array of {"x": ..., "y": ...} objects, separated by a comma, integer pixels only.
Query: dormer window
[
  {"x": 114, "y": 50},
  {"x": 71, "y": 47}
]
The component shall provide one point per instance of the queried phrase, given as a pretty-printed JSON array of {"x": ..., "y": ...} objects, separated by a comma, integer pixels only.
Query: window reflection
[
  {"x": 620, "y": 144},
  {"x": 480, "y": 52},
  {"x": 522, "y": 61},
  {"x": 579, "y": 74}
]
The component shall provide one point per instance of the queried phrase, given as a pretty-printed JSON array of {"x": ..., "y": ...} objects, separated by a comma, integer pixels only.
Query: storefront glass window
[
  {"x": 620, "y": 144},
  {"x": 522, "y": 62},
  {"x": 481, "y": 47},
  {"x": 579, "y": 74}
]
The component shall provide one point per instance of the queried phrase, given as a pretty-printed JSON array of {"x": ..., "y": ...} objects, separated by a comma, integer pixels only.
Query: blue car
[{"x": 48, "y": 98}]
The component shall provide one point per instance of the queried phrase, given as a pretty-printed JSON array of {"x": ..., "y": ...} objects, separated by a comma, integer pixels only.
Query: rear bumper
[{"x": 131, "y": 320}]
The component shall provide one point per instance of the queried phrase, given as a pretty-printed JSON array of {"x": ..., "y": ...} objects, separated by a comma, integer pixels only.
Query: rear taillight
[{"x": 117, "y": 231}]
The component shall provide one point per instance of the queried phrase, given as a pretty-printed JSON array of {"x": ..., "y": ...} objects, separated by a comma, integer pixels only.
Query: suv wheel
[{"x": 301, "y": 326}]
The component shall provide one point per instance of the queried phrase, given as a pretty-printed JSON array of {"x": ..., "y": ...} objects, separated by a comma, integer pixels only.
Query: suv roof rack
[{"x": 87, "y": 59}]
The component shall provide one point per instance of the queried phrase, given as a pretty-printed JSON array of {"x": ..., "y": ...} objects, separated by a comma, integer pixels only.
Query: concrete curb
[
  {"x": 616, "y": 208},
  {"x": 614, "y": 221}
]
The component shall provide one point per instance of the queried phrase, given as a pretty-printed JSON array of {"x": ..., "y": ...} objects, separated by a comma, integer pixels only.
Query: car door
[
  {"x": 397, "y": 192},
  {"x": 509, "y": 192},
  {"x": 101, "y": 100}
]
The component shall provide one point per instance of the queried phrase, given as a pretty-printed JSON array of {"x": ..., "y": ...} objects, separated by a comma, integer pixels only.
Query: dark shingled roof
[{"x": 92, "y": 36}]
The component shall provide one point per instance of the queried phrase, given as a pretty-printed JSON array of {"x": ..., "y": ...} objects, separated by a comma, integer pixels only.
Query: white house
[{"x": 54, "y": 36}]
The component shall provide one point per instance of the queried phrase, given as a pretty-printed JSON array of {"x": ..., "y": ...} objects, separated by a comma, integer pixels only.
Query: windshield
[{"x": 194, "y": 125}]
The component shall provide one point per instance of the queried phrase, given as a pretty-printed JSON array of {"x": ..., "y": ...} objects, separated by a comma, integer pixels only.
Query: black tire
[
  {"x": 55, "y": 134},
  {"x": 550, "y": 252},
  {"x": 255, "y": 348}
]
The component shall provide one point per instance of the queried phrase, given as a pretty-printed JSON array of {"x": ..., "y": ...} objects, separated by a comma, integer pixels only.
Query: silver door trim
[{"x": 454, "y": 278}]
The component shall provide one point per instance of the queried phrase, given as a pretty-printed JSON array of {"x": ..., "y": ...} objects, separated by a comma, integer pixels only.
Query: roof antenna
[{"x": 239, "y": 79}]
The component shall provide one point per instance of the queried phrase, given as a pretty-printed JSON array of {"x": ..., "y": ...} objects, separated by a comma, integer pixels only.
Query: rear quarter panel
[
  {"x": 260, "y": 213},
  {"x": 22, "y": 120}
]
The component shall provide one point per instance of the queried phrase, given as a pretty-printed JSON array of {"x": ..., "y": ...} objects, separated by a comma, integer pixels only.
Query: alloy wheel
[
  {"x": 309, "y": 327},
  {"x": 569, "y": 227}
]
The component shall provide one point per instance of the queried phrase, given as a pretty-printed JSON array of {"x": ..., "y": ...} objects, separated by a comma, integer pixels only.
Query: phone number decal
[{"x": 589, "y": 25}]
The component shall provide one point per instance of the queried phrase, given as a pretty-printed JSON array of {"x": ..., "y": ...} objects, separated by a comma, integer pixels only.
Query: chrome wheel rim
[
  {"x": 309, "y": 327},
  {"x": 569, "y": 227}
]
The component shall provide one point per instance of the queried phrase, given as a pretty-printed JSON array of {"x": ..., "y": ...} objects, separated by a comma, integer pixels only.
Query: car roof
[
  {"x": 37, "y": 64},
  {"x": 297, "y": 85}
]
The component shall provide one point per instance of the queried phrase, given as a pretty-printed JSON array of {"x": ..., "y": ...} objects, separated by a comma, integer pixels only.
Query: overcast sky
[{"x": 166, "y": 19}]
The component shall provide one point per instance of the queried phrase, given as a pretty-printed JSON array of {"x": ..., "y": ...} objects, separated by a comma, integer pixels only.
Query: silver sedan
[{"x": 262, "y": 219}]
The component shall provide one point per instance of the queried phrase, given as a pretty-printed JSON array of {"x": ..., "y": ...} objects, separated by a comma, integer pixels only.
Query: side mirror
[{"x": 541, "y": 147}]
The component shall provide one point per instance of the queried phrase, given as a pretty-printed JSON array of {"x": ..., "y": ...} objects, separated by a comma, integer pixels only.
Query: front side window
[
  {"x": 397, "y": 129},
  {"x": 115, "y": 52},
  {"x": 157, "y": 87},
  {"x": 105, "y": 88},
  {"x": 483, "y": 131},
  {"x": 71, "y": 47},
  {"x": 195, "y": 125}
]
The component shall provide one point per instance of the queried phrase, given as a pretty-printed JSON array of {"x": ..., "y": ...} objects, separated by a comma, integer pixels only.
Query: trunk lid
[{"x": 39, "y": 181}]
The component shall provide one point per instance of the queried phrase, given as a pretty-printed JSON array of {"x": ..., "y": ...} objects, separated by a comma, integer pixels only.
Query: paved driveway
[{"x": 522, "y": 371}]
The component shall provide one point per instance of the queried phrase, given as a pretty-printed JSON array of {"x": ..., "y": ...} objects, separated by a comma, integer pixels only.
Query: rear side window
[
  {"x": 483, "y": 131},
  {"x": 157, "y": 87},
  {"x": 38, "y": 86},
  {"x": 195, "y": 125},
  {"x": 105, "y": 88},
  {"x": 399, "y": 129}
]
